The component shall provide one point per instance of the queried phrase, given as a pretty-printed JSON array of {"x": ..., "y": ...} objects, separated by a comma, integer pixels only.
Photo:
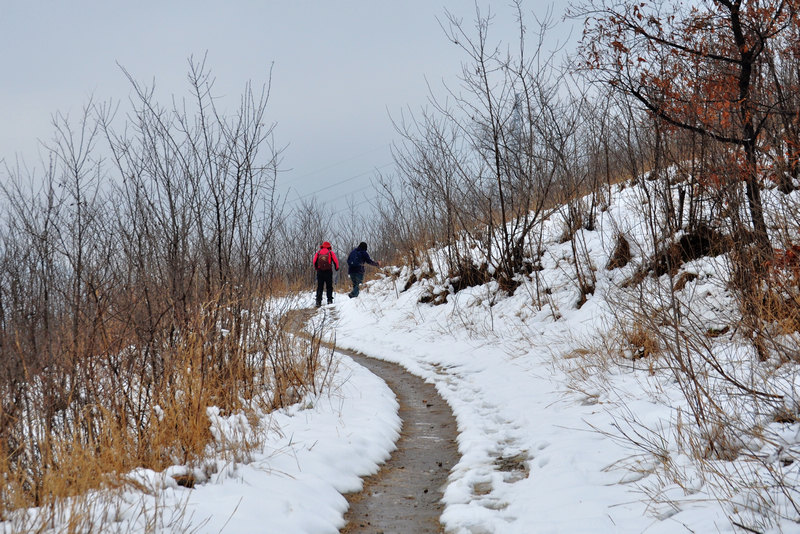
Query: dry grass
[
  {"x": 130, "y": 409},
  {"x": 621, "y": 255}
]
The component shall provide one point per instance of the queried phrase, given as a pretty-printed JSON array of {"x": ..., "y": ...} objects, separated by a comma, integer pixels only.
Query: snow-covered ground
[
  {"x": 542, "y": 411},
  {"x": 313, "y": 452},
  {"x": 496, "y": 365},
  {"x": 540, "y": 419},
  {"x": 513, "y": 403}
]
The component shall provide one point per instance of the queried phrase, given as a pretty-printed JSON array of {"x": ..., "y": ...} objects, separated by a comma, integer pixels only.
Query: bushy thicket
[{"x": 134, "y": 276}]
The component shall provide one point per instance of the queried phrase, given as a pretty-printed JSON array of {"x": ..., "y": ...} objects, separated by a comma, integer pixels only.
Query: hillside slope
[{"x": 568, "y": 421}]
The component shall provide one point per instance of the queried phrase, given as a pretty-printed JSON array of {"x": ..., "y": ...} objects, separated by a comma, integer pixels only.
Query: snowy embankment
[
  {"x": 314, "y": 451},
  {"x": 311, "y": 453},
  {"x": 534, "y": 456},
  {"x": 557, "y": 434}
]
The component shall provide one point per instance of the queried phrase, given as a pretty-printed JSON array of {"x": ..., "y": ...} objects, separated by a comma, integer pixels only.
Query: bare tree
[
  {"x": 133, "y": 291},
  {"x": 484, "y": 162}
]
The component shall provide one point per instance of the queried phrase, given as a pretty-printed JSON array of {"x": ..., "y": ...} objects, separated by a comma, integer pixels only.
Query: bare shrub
[{"x": 133, "y": 295}]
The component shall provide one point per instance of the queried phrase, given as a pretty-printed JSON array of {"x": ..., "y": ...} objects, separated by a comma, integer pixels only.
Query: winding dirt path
[{"x": 405, "y": 496}]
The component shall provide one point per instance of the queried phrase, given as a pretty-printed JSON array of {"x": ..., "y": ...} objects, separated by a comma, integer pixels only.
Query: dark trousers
[
  {"x": 357, "y": 279},
  {"x": 324, "y": 278}
]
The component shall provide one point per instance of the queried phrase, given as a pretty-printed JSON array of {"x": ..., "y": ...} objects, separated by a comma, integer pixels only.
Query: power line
[
  {"x": 350, "y": 193},
  {"x": 333, "y": 200},
  {"x": 340, "y": 182},
  {"x": 354, "y": 206},
  {"x": 351, "y": 158}
]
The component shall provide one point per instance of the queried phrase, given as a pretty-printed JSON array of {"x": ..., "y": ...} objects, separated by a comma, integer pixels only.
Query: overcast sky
[{"x": 339, "y": 69}]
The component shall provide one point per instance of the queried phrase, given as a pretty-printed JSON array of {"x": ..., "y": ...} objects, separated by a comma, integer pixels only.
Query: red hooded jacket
[{"x": 334, "y": 259}]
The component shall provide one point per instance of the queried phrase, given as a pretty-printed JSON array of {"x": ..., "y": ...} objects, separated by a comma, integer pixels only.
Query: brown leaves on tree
[{"x": 724, "y": 69}]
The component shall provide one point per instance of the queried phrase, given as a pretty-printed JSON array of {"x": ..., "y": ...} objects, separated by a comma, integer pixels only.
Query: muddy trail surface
[{"x": 405, "y": 496}]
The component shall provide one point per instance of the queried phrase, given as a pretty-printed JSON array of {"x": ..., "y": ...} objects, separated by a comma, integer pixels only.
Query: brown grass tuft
[{"x": 621, "y": 255}]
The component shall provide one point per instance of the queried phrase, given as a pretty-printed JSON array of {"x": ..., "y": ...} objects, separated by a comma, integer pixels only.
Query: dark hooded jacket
[{"x": 357, "y": 258}]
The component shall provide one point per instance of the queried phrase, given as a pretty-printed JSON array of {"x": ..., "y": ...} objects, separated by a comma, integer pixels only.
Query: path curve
[{"x": 405, "y": 496}]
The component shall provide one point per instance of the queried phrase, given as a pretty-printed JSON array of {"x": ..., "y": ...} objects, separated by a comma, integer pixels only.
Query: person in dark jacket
[
  {"x": 355, "y": 267},
  {"x": 325, "y": 261}
]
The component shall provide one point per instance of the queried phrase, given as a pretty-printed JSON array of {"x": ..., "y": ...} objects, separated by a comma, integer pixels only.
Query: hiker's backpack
[
  {"x": 352, "y": 259},
  {"x": 324, "y": 260}
]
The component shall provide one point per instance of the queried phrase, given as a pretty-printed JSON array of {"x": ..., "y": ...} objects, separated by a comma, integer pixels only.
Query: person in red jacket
[{"x": 325, "y": 261}]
